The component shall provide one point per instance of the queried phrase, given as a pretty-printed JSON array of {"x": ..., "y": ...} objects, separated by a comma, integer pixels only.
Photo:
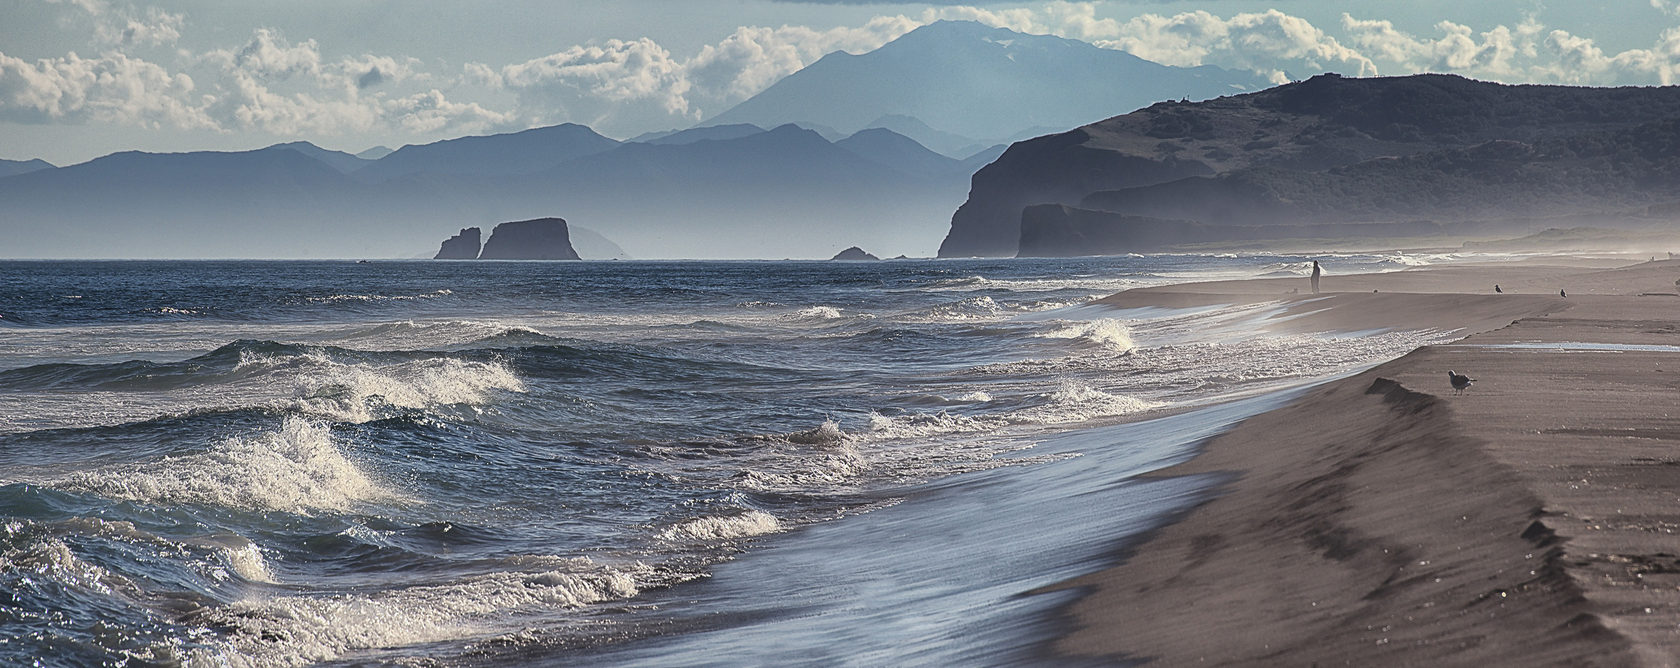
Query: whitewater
[{"x": 604, "y": 463}]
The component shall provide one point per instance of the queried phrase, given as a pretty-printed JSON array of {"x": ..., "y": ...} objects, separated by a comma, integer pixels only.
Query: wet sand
[{"x": 1382, "y": 519}]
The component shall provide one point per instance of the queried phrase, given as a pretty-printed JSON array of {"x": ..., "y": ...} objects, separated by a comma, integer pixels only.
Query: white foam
[
  {"x": 325, "y": 628},
  {"x": 1109, "y": 333},
  {"x": 1096, "y": 284},
  {"x": 296, "y": 468},
  {"x": 746, "y": 525},
  {"x": 313, "y": 629},
  {"x": 361, "y": 392},
  {"x": 827, "y": 433},
  {"x": 971, "y": 308},
  {"x": 916, "y": 425},
  {"x": 247, "y": 562},
  {"x": 51, "y": 558},
  {"x": 817, "y": 313},
  {"x": 1077, "y": 402},
  {"x": 976, "y": 396},
  {"x": 334, "y": 299},
  {"x": 820, "y": 457}
]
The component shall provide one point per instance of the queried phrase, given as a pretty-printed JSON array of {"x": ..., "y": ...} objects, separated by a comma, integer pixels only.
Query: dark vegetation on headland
[{"x": 1333, "y": 158}]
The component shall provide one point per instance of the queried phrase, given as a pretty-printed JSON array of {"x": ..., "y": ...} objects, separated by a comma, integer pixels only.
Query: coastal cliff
[
  {"x": 1335, "y": 150},
  {"x": 536, "y": 239}
]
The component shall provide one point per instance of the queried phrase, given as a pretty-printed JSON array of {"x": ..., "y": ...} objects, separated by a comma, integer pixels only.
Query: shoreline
[{"x": 1379, "y": 519}]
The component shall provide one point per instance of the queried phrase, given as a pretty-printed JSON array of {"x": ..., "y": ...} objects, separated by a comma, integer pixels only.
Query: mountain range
[
  {"x": 959, "y": 86},
  {"x": 1333, "y": 158},
  {"x": 742, "y": 197},
  {"x": 761, "y": 187}
]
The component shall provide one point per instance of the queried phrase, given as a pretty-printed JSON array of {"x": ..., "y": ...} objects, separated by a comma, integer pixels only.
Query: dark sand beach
[{"x": 1382, "y": 519}]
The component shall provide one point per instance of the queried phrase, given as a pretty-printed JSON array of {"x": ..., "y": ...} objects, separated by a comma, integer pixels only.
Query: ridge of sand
[{"x": 1381, "y": 520}]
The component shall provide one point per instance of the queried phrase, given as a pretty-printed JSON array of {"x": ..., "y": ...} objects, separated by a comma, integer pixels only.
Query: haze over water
[{"x": 281, "y": 463}]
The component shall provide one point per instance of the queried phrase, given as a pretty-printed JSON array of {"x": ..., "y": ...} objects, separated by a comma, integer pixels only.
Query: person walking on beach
[{"x": 1316, "y": 272}]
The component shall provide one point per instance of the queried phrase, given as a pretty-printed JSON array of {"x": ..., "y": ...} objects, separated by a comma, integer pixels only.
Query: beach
[{"x": 1383, "y": 519}]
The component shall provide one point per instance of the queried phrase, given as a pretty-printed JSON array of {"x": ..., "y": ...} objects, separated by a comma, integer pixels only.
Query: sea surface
[{"x": 601, "y": 463}]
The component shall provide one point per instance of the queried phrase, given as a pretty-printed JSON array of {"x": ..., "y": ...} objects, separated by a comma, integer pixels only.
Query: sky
[{"x": 84, "y": 78}]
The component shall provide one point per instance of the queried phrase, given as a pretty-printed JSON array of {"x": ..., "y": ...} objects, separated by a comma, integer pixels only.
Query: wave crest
[
  {"x": 362, "y": 393},
  {"x": 746, "y": 525},
  {"x": 1106, "y": 332},
  {"x": 296, "y": 468},
  {"x": 302, "y": 630}
]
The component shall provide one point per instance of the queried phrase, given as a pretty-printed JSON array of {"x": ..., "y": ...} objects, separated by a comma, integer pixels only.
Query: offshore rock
[
  {"x": 537, "y": 239},
  {"x": 854, "y": 254},
  {"x": 463, "y": 246}
]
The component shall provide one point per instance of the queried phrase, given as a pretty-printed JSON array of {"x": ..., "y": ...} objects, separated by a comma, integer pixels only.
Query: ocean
[{"x": 602, "y": 463}]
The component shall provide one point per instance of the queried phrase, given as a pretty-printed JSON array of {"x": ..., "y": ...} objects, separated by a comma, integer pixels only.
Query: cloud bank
[{"x": 276, "y": 85}]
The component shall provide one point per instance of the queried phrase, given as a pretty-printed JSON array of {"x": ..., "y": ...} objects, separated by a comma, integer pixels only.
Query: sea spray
[
  {"x": 1109, "y": 333},
  {"x": 281, "y": 480},
  {"x": 361, "y": 392},
  {"x": 296, "y": 468},
  {"x": 299, "y": 630},
  {"x": 745, "y": 525}
]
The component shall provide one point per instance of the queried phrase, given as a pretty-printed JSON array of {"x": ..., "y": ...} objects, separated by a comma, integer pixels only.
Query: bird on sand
[
  {"x": 1460, "y": 382},
  {"x": 1496, "y": 288},
  {"x": 1562, "y": 293}
]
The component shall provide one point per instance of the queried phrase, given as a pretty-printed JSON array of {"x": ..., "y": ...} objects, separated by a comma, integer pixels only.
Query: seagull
[{"x": 1460, "y": 382}]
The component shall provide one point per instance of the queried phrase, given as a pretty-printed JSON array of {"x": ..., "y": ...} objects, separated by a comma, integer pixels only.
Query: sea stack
[
  {"x": 854, "y": 254},
  {"x": 538, "y": 239},
  {"x": 463, "y": 246}
]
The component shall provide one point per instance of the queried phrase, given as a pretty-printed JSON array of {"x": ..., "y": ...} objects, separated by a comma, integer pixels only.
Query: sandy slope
[{"x": 1382, "y": 520}]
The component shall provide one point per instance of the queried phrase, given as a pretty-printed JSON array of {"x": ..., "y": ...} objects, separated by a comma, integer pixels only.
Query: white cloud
[
  {"x": 127, "y": 25},
  {"x": 602, "y": 85},
  {"x": 1527, "y": 53},
  {"x": 112, "y": 88},
  {"x": 1579, "y": 60},
  {"x": 753, "y": 58},
  {"x": 430, "y": 113},
  {"x": 155, "y": 28},
  {"x": 272, "y": 84},
  {"x": 1269, "y": 42},
  {"x": 267, "y": 55}
]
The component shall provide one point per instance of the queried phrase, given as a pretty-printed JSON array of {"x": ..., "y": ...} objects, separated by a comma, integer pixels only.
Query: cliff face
[
  {"x": 1058, "y": 169},
  {"x": 1334, "y": 151},
  {"x": 463, "y": 246},
  {"x": 537, "y": 239}
]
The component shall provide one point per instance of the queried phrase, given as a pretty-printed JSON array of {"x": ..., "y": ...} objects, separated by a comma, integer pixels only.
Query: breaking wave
[
  {"x": 1109, "y": 333},
  {"x": 302, "y": 630},
  {"x": 746, "y": 525},
  {"x": 296, "y": 468}
]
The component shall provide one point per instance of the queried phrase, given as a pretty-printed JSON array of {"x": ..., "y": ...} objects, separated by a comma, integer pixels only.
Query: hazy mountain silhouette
[
  {"x": 779, "y": 193},
  {"x": 15, "y": 167},
  {"x": 374, "y": 153},
  {"x": 896, "y": 151},
  {"x": 1468, "y": 157},
  {"x": 339, "y": 160},
  {"x": 970, "y": 80},
  {"x": 785, "y": 192},
  {"x": 939, "y": 141},
  {"x": 493, "y": 155},
  {"x": 713, "y": 132}
]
